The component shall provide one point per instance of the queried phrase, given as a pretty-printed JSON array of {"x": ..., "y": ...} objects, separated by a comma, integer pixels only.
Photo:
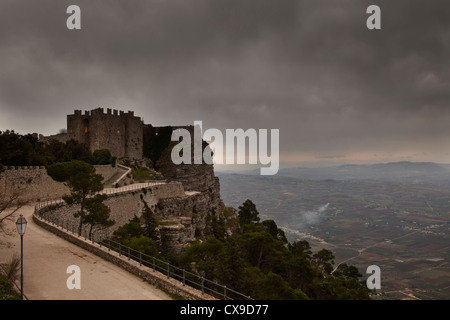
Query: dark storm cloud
[{"x": 310, "y": 68}]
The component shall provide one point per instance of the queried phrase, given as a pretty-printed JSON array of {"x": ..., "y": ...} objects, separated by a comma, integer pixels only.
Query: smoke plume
[{"x": 313, "y": 217}]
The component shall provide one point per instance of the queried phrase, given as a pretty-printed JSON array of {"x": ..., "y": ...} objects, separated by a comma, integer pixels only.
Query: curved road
[{"x": 46, "y": 258}]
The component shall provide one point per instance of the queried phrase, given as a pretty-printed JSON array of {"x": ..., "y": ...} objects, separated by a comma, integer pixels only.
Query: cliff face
[{"x": 202, "y": 204}]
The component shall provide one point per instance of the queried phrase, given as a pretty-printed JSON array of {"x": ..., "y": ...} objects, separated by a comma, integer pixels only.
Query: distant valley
[{"x": 394, "y": 215}]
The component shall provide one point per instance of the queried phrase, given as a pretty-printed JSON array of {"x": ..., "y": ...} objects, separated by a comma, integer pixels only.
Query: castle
[
  {"x": 122, "y": 133},
  {"x": 119, "y": 132}
]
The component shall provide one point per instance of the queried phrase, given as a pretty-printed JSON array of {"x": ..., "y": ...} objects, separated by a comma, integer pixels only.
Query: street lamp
[{"x": 21, "y": 225}]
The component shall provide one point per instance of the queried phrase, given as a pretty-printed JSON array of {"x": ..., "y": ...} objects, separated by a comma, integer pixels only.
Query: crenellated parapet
[
  {"x": 24, "y": 167},
  {"x": 101, "y": 111}
]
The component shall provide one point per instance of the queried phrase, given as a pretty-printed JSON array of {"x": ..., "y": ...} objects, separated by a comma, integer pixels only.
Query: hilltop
[{"x": 402, "y": 171}]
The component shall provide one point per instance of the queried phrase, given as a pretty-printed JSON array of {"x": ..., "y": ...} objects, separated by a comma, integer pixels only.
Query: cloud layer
[{"x": 336, "y": 90}]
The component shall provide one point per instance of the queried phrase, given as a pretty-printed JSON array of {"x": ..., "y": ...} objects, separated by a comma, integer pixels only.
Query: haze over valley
[{"x": 394, "y": 215}]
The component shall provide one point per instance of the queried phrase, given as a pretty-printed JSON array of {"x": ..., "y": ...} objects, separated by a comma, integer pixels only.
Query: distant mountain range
[{"x": 404, "y": 171}]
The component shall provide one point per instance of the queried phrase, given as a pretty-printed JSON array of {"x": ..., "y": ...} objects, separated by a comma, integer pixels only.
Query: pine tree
[{"x": 151, "y": 224}]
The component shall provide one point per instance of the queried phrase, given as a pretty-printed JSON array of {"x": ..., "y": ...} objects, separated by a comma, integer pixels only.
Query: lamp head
[{"x": 21, "y": 225}]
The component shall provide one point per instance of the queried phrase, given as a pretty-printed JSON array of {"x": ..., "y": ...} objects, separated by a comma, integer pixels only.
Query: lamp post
[{"x": 21, "y": 225}]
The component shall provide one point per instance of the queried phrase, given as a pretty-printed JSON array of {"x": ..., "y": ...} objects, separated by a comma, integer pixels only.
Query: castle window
[
  {"x": 85, "y": 130},
  {"x": 70, "y": 130},
  {"x": 118, "y": 131}
]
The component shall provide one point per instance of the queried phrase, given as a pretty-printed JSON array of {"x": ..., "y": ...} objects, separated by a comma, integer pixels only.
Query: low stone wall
[
  {"x": 154, "y": 277},
  {"x": 33, "y": 183}
]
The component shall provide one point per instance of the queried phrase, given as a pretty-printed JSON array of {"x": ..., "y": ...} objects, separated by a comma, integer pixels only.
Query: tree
[
  {"x": 78, "y": 151},
  {"x": 215, "y": 226},
  {"x": 102, "y": 157},
  {"x": 84, "y": 183},
  {"x": 274, "y": 287},
  {"x": 129, "y": 230},
  {"x": 348, "y": 272},
  {"x": 28, "y": 150},
  {"x": 260, "y": 249},
  {"x": 206, "y": 255},
  {"x": 9, "y": 205},
  {"x": 97, "y": 213},
  {"x": 248, "y": 213},
  {"x": 324, "y": 260},
  {"x": 19, "y": 150},
  {"x": 143, "y": 244},
  {"x": 301, "y": 249},
  {"x": 151, "y": 224},
  {"x": 300, "y": 273},
  {"x": 271, "y": 228}
]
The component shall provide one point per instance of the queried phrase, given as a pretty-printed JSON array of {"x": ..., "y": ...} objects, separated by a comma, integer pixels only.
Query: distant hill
[{"x": 394, "y": 171}]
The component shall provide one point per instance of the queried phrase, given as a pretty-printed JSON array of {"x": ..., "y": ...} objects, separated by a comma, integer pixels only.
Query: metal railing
[
  {"x": 108, "y": 191},
  {"x": 182, "y": 275},
  {"x": 171, "y": 271}
]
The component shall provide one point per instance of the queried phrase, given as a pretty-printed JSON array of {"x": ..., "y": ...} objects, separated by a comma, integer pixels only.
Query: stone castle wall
[
  {"x": 33, "y": 183},
  {"x": 120, "y": 132}
]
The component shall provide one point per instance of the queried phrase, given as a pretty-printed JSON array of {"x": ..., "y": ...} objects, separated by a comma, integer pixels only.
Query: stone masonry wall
[
  {"x": 124, "y": 207},
  {"x": 33, "y": 183}
]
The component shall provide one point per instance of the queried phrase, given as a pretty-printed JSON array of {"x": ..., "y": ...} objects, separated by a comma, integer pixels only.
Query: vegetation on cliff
[
  {"x": 259, "y": 261},
  {"x": 140, "y": 236},
  {"x": 28, "y": 150}
]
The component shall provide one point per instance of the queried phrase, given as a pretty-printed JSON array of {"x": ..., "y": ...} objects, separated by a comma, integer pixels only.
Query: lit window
[
  {"x": 70, "y": 130},
  {"x": 85, "y": 130},
  {"x": 118, "y": 131}
]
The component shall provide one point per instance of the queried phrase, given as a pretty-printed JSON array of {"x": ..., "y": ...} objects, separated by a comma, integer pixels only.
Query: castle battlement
[
  {"x": 11, "y": 168},
  {"x": 101, "y": 111}
]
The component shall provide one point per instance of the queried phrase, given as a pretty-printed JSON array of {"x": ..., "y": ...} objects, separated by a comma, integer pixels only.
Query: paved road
[{"x": 46, "y": 258}]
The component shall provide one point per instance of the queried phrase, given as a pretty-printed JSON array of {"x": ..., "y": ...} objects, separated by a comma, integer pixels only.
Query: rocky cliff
[{"x": 202, "y": 212}]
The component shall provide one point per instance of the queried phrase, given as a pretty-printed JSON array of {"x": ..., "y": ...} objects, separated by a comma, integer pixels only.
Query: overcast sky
[{"x": 311, "y": 68}]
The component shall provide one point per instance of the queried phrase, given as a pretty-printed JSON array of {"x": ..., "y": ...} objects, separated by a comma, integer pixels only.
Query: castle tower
[{"x": 120, "y": 132}]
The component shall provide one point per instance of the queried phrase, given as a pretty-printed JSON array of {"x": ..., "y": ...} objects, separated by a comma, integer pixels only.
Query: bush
[
  {"x": 143, "y": 174},
  {"x": 7, "y": 291},
  {"x": 102, "y": 157},
  {"x": 12, "y": 269}
]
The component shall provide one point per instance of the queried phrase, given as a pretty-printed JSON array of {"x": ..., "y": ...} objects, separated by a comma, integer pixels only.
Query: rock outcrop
[{"x": 202, "y": 204}]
